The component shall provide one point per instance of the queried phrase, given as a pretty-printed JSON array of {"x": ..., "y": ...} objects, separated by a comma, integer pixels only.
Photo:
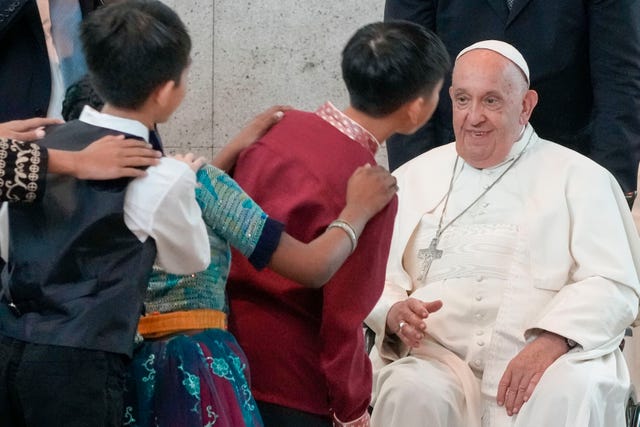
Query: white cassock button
[
  {"x": 478, "y": 298},
  {"x": 479, "y": 316},
  {"x": 477, "y": 362},
  {"x": 479, "y": 332},
  {"x": 479, "y": 279},
  {"x": 485, "y": 205},
  {"x": 480, "y": 343}
]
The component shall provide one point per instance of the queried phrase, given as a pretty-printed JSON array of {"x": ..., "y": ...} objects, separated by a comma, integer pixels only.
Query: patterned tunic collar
[{"x": 344, "y": 124}]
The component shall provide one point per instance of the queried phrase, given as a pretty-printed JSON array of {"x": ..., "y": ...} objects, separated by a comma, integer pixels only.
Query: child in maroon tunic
[{"x": 306, "y": 347}]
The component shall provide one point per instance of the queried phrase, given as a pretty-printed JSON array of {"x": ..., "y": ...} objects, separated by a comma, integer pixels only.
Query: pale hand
[
  {"x": 113, "y": 157},
  {"x": 26, "y": 130},
  {"x": 370, "y": 188},
  {"x": 525, "y": 370},
  {"x": 406, "y": 319},
  {"x": 258, "y": 126},
  {"x": 190, "y": 160},
  {"x": 226, "y": 158}
]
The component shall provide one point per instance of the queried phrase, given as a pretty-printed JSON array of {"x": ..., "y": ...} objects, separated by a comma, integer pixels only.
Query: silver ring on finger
[{"x": 401, "y": 325}]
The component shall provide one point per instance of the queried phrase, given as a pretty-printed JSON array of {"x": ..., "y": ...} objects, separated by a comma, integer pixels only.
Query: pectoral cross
[{"x": 427, "y": 256}]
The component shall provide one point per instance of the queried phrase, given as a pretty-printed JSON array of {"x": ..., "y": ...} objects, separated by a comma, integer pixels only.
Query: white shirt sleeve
[{"x": 162, "y": 205}]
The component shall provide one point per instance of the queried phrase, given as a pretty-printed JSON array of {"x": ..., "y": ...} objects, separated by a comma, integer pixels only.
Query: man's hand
[
  {"x": 26, "y": 130},
  {"x": 406, "y": 319},
  {"x": 525, "y": 370},
  {"x": 191, "y": 160}
]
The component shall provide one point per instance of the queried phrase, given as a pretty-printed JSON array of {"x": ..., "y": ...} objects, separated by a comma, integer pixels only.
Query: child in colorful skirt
[{"x": 189, "y": 370}]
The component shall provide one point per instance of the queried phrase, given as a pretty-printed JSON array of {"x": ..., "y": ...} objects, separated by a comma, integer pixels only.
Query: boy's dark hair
[
  {"x": 131, "y": 48},
  {"x": 387, "y": 64},
  {"x": 78, "y": 95}
]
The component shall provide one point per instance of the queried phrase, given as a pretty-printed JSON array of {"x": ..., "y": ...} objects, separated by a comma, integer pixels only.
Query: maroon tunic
[{"x": 306, "y": 347}]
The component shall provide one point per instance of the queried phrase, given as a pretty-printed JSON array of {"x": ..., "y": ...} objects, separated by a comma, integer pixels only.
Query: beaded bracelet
[{"x": 348, "y": 228}]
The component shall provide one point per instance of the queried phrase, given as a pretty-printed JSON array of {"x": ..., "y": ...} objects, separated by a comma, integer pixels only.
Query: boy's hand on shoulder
[
  {"x": 258, "y": 126},
  {"x": 190, "y": 160},
  {"x": 370, "y": 189},
  {"x": 109, "y": 157},
  {"x": 254, "y": 130},
  {"x": 114, "y": 157}
]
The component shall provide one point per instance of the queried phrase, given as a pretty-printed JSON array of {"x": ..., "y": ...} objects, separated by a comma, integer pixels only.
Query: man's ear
[
  {"x": 529, "y": 102},
  {"x": 163, "y": 94}
]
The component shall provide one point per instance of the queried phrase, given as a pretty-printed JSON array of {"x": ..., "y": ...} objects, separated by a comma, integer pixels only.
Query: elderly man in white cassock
[{"x": 513, "y": 272}]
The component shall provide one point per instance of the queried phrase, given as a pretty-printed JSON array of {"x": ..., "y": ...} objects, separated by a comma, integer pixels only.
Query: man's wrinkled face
[{"x": 490, "y": 104}]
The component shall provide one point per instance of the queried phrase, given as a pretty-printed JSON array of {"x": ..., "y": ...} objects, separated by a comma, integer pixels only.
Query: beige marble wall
[
  {"x": 249, "y": 54},
  {"x": 191, "y": 127}
]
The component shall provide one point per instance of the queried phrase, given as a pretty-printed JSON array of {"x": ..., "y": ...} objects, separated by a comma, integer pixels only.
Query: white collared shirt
[{"x": 160, "y": 205}]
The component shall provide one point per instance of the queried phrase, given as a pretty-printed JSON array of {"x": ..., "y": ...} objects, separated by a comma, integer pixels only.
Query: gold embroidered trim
[{"x": 24, "y": 158}]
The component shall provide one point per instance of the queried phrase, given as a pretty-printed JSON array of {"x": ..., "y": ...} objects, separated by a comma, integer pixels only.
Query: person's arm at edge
[
  {"x": 313, "y": 264},
  {"x": 24, "y": 171},
  {"x": 109, "y": 157}
]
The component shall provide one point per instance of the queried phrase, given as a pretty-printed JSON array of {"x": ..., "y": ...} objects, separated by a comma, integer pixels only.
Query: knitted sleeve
[
  {"x": 231, "y": 213},
  {"x": 23, "y": 167}
]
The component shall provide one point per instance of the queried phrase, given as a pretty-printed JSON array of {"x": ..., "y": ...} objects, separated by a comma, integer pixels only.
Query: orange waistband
[{"x": 157, "y": 325}]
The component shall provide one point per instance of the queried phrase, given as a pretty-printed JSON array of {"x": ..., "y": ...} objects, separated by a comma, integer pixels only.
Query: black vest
[{"x": 76, "y": 275}]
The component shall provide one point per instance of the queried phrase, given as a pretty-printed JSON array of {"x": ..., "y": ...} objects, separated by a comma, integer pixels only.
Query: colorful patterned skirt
[{"x": 190, "y": 381}]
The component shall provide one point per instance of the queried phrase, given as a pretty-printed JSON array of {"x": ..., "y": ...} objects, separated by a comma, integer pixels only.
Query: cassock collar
[
  {"x": 521, "y": 143},
  {"x": 347, "y": 126},
  {"x": 120, "y": 124}
]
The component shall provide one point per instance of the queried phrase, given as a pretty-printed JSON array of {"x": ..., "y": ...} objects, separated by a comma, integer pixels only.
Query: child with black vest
[{"x": 79, "y": 260}]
